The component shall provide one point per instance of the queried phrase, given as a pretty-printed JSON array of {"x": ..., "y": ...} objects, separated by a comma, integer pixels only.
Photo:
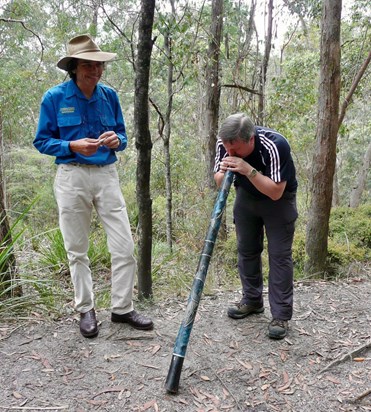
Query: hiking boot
[
  {"x": 242, "y": 310},
  {"x": 277, "y": 329}
]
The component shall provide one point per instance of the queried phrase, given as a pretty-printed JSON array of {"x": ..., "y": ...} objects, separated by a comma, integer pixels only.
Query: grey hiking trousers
[{"x": 251, "y": 217}]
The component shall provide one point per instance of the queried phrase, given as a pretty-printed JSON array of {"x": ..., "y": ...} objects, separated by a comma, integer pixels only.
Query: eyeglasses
[{"x": 92, "y": 65}]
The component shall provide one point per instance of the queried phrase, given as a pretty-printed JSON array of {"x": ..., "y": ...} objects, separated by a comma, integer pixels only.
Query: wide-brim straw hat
[{"x": 83, "y": 47}]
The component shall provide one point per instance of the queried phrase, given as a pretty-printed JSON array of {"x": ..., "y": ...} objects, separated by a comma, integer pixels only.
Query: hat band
[{"x": 87, "y": 51}]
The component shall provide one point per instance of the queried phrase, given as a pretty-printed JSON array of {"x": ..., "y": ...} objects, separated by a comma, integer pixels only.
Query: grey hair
[{"x": 237, "y": 126}]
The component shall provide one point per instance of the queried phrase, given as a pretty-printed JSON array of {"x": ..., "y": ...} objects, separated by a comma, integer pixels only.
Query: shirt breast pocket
[
  {"x": 108, "y": 123},
  {"x": 69, "y": 126}
]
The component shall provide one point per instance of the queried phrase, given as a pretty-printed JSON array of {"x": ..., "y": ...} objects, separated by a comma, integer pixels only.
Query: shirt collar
[
  {"x": 73, "y": 90},
  {"x": 257, "y": 142}
]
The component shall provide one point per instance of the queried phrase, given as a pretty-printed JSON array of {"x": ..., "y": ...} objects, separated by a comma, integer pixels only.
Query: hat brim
[{"x": 97, "y": 56}]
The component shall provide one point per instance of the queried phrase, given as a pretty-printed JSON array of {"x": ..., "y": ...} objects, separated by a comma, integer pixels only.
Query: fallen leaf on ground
[
  {"x": 285, "y": 386},
  {"x": 150, "y": 404},
  {"x": 227, "y": 407},
  {"x": 332, "y": 379},
  {"x": 196, "y": 393},
  {"x": 233, "y": 344},
  {"x": 246, "y": 365},
  {"x": 213, "y": 398},
  {"x": 283, "y": 356},
  {"x": 225, "y": 393},
  {"x": 148, "y": 366},
  {"x": 285, "y": 376},
  {"x": 155, "y": 349}
]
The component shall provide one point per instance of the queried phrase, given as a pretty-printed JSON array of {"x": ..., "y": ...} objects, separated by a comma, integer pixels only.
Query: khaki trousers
[{"x": 77, "y": 190}]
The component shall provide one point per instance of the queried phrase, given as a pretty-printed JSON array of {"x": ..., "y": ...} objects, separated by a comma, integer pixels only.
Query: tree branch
[
  {"x": 348, "y": 355},
  {"x": 123, "y": 34},
  {"x": 238, "y": 86},
  {"x": 360, "y": 397},
  {"x": 355, "y": 83},
  {"x": 31, "y": 31},
  {"x": 161, "y": 120}
]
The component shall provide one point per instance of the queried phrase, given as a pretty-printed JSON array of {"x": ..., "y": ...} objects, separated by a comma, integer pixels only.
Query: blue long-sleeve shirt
[{"x": 67, "y": 115}]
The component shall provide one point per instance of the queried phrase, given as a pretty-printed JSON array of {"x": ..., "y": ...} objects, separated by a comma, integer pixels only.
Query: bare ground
[{"x": 324, "y": 364}]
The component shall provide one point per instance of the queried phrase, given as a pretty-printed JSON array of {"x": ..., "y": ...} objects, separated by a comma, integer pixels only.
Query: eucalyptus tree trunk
[
  {"x": 243, "y": 53},
  {"x": 264, "y": 66},
  {"x": 356, "y": 195},
  {"x": 335, "y": 186},
  {"x": 94, "y": 23},
  {"x": 143, "y": 144},
  {"x": 325, "y": 151},
  {"x": 360, "y": 185},
  {"x": 213, "y": 90},
  {"x": 167, "y": 134},
  {"x": 166, "y": 140}
]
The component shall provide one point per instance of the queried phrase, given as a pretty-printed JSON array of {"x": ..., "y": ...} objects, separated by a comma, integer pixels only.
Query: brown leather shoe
[
  {"x": 88, "y": 324},
  {"x": 134, "y": 319}
]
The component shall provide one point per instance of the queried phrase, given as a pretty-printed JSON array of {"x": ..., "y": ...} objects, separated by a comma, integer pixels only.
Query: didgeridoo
[{"x": 181, "y": 343}]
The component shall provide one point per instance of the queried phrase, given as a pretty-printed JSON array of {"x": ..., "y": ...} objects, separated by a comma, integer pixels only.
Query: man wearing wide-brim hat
[
  {"x": 83, "y": 47},
  {"x": 82, "y": 125}
]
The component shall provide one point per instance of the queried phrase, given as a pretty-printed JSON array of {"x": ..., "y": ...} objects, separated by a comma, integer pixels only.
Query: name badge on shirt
[{"x": 65, "y": 110}]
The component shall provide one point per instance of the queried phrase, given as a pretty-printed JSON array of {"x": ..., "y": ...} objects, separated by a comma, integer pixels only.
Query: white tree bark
[{"x": 356, "y": 195}]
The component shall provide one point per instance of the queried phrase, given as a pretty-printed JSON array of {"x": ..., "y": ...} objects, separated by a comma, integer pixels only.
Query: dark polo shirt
[{"x": 271, "y": 157}]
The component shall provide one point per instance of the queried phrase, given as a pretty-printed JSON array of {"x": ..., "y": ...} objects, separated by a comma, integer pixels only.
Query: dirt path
[{"x": 323, "y": 365}]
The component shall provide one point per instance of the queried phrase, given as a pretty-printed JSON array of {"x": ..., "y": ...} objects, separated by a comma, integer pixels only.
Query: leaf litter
[{"x": 324, "y": 364}]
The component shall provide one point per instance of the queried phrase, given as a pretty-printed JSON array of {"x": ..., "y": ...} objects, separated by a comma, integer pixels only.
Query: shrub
[
  {"x": 351, "y": 226},
  {"x": 342, "y": 254}
]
